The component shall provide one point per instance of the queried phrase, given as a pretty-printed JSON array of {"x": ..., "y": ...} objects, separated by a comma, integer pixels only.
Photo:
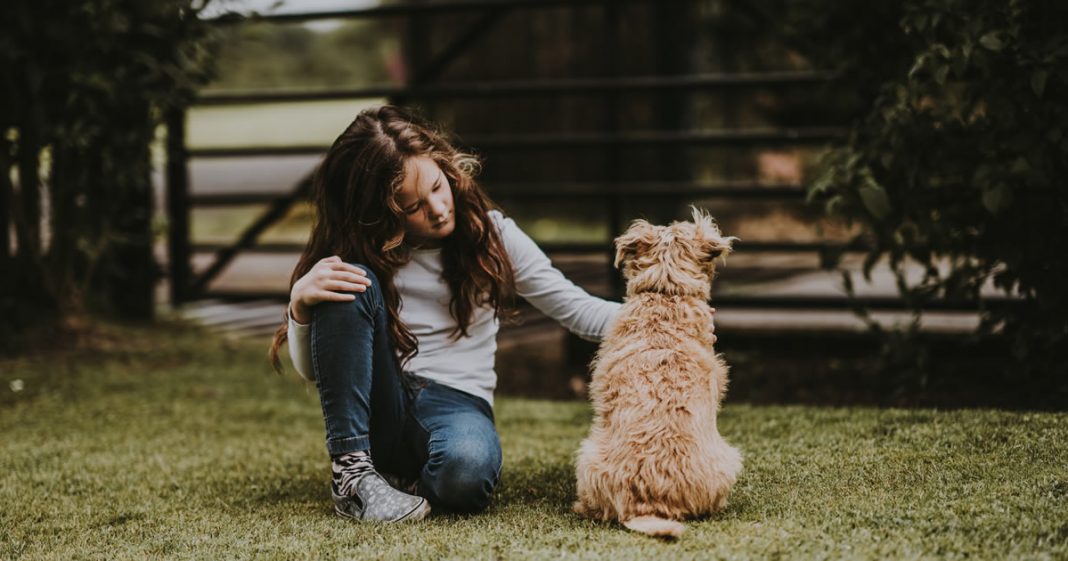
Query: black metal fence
[{"x": 612, "y": 193}]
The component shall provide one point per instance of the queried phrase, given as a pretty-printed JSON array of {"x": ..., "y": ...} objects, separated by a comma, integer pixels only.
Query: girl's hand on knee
[{"x": 329, "y": 280}]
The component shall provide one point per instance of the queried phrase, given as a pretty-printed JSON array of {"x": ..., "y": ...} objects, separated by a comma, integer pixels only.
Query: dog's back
[{"x": 654, "y": 453}]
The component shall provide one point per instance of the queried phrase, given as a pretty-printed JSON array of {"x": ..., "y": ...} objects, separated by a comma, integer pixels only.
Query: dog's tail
[{"x": 655, "y": 526}]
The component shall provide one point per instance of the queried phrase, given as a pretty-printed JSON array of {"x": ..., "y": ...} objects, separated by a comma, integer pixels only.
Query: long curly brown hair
[{"x": 360, "y": 220}]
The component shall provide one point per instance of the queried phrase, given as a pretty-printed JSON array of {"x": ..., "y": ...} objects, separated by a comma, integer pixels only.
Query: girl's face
[{"x": 425, "y": 198}]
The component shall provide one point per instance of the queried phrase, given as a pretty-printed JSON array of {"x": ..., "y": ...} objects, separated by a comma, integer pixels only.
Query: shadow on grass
[
  {"x": 291, "y": 491},
  {"x": 835, "y": 369},
  {"x": 550, "y": 485}
]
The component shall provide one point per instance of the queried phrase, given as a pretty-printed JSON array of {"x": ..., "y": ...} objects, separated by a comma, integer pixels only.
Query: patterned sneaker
[{"x": 367, "y": 496}]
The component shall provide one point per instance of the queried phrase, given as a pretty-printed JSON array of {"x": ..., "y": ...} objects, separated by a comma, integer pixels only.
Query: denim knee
[
  {"x": 465, "y": 475},
  {"x": 366, "y": 302}
]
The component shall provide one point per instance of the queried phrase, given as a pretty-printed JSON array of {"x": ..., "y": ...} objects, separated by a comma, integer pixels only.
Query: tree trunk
[
  {"x": 66, "y": 228},
  {"x": 130, "y": 271},
  {"x": 31, "y": 300}
]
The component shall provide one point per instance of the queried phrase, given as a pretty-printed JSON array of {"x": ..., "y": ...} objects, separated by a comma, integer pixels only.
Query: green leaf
[
  {"x": 821, "y": 184},
  {"x": 875, "y": 200},
  {"x": 992, "y": 41},
  {"x": 918, "y": 65},
  {"x": 997, "y": 198},
  {"x": 1038, "y": 81},
  {"x": 1020, "y": 166},
  {"x": 982, "y": 173},
  {"x": 833, "y": 204},
  {"x": 940, "y": 74},
  {"x": 887, "y": 159}
]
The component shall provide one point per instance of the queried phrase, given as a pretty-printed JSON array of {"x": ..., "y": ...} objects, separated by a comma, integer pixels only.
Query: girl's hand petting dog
[{"x": 330, "y": 280}]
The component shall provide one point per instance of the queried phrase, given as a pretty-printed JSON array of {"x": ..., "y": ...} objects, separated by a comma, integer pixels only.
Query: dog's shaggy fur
[{"x": 654, "y": 455}]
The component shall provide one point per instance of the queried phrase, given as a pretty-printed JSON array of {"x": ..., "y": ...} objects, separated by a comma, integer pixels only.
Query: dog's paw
[{"x": 578, "y": 508}]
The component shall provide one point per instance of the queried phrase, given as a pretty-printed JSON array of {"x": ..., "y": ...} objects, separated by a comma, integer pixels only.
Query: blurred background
[{"x": 888, "y": 170}]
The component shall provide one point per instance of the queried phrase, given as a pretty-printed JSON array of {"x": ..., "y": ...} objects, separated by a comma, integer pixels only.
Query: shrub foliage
[
  {"x": 958, "y": 150},
  {"x": 86, "y": 83}
]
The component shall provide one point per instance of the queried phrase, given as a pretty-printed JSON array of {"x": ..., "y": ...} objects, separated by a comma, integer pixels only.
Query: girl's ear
[{"x": 635, "y": 241}]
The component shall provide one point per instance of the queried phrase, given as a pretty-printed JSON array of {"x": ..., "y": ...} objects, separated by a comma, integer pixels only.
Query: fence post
[{"x": 178, "y": 206}]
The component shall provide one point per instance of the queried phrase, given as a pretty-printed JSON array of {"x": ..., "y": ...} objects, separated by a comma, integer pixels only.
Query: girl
[{"x": 394, "y": 309}]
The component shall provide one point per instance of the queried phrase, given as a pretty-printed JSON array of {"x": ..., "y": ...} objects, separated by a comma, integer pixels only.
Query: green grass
[{"x": 167, "y": 443}]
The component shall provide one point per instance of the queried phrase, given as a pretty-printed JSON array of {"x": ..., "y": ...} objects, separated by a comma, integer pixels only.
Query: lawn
[{"x": 167, "y": 443}]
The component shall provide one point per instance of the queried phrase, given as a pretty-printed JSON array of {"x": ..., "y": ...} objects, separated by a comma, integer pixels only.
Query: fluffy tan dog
[{"x": 654, "y": 455}]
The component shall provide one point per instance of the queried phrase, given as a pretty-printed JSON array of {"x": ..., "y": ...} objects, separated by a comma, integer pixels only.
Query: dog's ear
[
  {"x": 637, "y": 239},
  {"x": 713, "y": 244}
]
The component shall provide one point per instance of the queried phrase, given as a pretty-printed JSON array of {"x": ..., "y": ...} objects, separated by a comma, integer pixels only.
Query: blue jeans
[{"x": 414, "y": 428}]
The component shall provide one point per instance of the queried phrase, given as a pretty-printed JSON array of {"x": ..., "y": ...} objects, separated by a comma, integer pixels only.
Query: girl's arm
[
  {"x": 546, "y": 288},
  {"x": 298, "y": 336}
]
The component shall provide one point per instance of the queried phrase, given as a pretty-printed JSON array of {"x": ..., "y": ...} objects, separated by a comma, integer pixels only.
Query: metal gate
[{"x": 611, "y": 193}]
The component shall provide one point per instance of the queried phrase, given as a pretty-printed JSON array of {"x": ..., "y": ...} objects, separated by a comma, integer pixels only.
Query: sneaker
[{"x": 372, "y": 498}]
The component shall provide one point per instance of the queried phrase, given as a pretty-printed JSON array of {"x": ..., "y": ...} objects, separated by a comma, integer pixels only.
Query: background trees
[
  {"x": 85, "y": 84},
  {"x": 957, "y": 152},
  {"x": 955, "y": 160}
]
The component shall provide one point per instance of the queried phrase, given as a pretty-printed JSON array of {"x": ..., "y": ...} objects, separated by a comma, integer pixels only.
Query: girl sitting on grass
[{"x": 393, "y": 312}]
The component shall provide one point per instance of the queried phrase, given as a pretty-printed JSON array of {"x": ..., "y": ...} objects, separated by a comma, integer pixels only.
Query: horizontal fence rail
[
  {"x": 276, "y": 204},
  {"x": 416, "y": 9},
  {"x": 740, "y": 301},
  {"x": 536, "y": 191},
  {"x": 637, "y": 84},
  {"x": 573, "y": 247},
  {"x": 720, "y": 138}
]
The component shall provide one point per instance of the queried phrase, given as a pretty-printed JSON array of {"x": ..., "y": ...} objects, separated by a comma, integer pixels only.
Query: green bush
[
  {"x": 86, "y": 85},
  {"x": 957, "y": 152}
]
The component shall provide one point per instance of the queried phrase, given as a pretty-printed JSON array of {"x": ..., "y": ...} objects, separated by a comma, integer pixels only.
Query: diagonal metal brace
[
  {"x": 277, "y": 210},
  {"x": 435, "y": 67},
  {"x": 280, "y": 206}
]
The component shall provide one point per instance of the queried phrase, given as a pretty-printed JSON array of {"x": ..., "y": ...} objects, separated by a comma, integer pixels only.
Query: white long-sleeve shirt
[{"x": 467, "y": 363}]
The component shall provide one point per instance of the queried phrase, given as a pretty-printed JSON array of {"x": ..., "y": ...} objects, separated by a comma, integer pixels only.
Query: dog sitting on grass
[{"x": 654, "y": 455}]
